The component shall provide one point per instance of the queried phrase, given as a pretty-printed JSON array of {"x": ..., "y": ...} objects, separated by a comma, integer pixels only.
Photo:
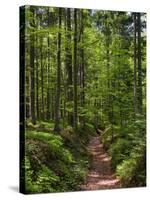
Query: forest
[{"x": 82, "y": 99}]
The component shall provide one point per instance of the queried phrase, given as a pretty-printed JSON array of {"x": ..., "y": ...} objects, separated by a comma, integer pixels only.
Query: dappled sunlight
[
  {"x": 82, "y": 99},
  {"x": 107, "y": 182},
  {"x": 100, "y": 176}
]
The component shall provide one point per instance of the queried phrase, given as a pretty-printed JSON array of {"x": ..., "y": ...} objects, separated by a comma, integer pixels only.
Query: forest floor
[{"x": 100, "y": 175}]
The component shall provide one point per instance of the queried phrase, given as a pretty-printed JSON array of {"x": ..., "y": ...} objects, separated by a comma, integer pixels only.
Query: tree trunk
[
  {"x": 32, "y": 71},
  {"x": 42, "y": 81},
  {"x": 69, "y": 64},
  {"x": 135, "y": 30},
  {"x": 108, "y": 75},
  {"x": 48, "y": 72},
  {"x": 37, "y": 82},
  {"x": 57, "y": 102},
  {"x": 82, "y": 59},
  {"x": 75, "y": 69},
  {"x": 139, "y": 64}
]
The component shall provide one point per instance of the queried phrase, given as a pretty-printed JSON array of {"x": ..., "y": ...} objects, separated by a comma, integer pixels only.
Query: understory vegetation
[
  {"x": 128, "y": 152},
  {"x": 83, "y": 74},
  {"x": 55, "y": 163}
]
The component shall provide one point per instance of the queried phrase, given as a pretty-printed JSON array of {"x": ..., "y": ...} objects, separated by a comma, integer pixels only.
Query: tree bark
[
  {"x": 135, "y": 54},
  {"x": 139, "y": 64},
  {"x": 75, "y": 69},
  {"x": 82, "y": 59},
  {"x": 32, "y": 70},
  {"x": 42, "y": 80},
  {"x": 48, "y": 71},
  {"x": 69, "y": 64},
  {"x": 57, "y": 102},
  {"x": 37, "y": 82}
]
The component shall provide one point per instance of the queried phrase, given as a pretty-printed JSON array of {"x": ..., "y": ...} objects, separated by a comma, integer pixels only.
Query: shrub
[
  {"x": 132, "y": 171},
  {"x": 50, "y": 166},
  {"x": 44, "y": 182},
  {"x": 119, "y": 151}
]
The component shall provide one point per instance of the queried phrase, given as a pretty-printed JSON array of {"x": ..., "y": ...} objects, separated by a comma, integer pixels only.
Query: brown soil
[{"x": 100, "y": 175}]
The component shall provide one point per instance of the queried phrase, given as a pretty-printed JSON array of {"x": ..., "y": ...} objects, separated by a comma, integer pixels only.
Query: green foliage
[
  {"x": 119, "y": 150},
  {"x": 46, "y": 180},
  {"x": 126, "y": 170},
  {"x": 132, "y": 171},
  {"x": 55, "y": 144},
  {"x": 128, "y": 152},
  {"x": 90, "y": 127},
  {"x": 50, "y": 166},
  {"x": 40, "y": 125},
  {"x": 47, "y": 125},
  {"x": 106, "y": 138},
  {"x": 104, "y": 98}
]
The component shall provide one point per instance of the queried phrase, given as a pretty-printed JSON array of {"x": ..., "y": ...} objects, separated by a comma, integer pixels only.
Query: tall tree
[
  {"x": 37, "y": 67},
  {"x": 32, "y": 70},
  {"x": 139, "y": 63},
  {"x": 82, "y": 59},
  {"x": 57, "y": 101},
  {"x": 48, "y": 68},
  {"x": 69, "y": 63},
  {"x": 37, "y": 81},
  {"x": 75, "y": 71},
  {"x": 42, "y": 78},
  {"x": 135, "y": 63}
]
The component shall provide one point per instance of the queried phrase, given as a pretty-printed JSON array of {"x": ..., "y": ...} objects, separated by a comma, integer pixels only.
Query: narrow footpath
[{"x": 100, "y": 175}]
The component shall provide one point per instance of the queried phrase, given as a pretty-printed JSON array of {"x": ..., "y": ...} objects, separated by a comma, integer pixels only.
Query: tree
[
  {"x": 135, "y": 63},
  {"x": 42, "y": 79},
  {"x": 48, "y": 68},
  {"x": 69, "y": 64},
  {"x": 139, "y": 63},
  {"x": 85, "y": 70},
  {"x": 32, "y": 70},
  {"x": 82, "y": 62},
  {"x": 57, "y": 102},
  {"x": 37, "y": 68},
  {"x": 37, "y": 81},
  {"x": 75, "y": 71}
]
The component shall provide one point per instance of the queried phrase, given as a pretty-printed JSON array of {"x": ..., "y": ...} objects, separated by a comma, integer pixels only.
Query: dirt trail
[{"x": 100, "y": 175}]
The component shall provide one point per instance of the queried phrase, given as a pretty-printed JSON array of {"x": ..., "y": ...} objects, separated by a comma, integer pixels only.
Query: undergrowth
[
  {"x": 55, "y": 163},
  {"x": 128, "y": 151}
]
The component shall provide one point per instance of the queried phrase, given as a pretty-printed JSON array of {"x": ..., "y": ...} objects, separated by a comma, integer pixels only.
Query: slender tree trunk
[
  {"x": 37, "y": 69},
  {"x": 53, "y": 104},
  {"x": 48, "y": 72},
  {"x": 135, "y": 95},
  {"x": 69, "y": 64},
  {"x": 139, "y": 64},
  {"x": 42, "y": 81},
  {"x": 82, "y": 59},
  {"x": 108, "y": 76},
  {"x": 37, "y": 82},
  {"x": 75, "y": 69},
  {"x": 32, "y": 70},
  {"x": 119, "y": 90},
  {"x": 57, "y": 102}
]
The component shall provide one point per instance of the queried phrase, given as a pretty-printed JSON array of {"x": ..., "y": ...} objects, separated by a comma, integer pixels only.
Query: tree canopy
[{"x": 85, "y": 71}]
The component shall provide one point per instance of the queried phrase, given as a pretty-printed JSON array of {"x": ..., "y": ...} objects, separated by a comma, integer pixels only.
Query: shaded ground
[{"x": 100, "y": 175}]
